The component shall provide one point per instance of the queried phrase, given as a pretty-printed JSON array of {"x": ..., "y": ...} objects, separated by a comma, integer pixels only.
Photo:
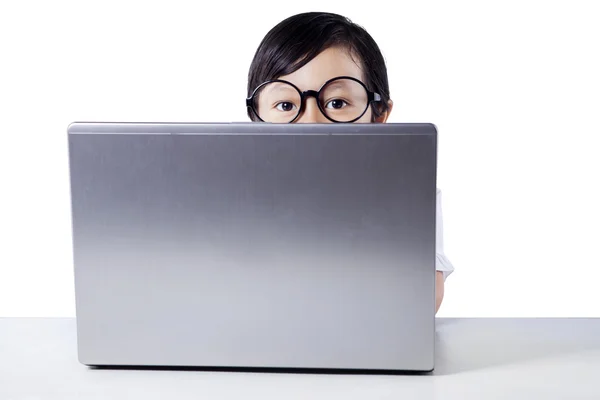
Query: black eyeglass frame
[{"x": 371, "y": 97}]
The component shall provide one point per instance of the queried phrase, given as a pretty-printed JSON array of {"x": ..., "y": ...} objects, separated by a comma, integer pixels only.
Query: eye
[
  {"x": 285, "y": 106},
  {"x": 336, "y": 104}
]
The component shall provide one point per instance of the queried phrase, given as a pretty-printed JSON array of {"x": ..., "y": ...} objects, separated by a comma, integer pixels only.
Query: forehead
[{"x": 329, "y": 64}]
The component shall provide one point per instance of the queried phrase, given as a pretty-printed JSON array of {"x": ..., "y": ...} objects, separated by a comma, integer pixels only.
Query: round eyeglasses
[{"x": 342, "y": 99}]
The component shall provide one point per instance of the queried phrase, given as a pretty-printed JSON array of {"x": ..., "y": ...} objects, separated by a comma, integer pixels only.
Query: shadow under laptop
[
  {"x": 264, "y": 370},
  {"x": 471, "y": 344}
]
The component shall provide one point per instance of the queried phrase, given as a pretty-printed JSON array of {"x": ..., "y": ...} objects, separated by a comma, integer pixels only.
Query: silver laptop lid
[{"x": 254, "y": 245}]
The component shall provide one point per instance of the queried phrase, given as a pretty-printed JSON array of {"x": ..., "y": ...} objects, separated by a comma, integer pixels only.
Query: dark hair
[{"x": 297, "y": 40}]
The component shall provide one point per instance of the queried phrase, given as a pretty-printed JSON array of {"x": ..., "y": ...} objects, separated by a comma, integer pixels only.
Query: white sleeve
[{"x": 442, "y": 263}]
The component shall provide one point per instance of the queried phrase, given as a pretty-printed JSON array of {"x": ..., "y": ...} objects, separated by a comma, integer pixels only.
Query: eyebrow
[
  {"x": 337, "y": 85},
  {"x": 279, "y": 88}
]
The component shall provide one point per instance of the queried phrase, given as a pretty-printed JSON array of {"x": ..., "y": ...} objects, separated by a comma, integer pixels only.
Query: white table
[{"x": 476, "y": 359}]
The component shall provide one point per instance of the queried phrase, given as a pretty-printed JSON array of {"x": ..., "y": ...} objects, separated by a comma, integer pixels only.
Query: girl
[{"x": 321, "y": 67}]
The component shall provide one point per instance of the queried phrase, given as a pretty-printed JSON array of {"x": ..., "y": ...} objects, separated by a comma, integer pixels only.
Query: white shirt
[{"x": 441, "y": 261}]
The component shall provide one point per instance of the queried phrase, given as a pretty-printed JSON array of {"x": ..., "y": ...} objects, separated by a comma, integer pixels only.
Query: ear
[{"x": 385, "y": 115}]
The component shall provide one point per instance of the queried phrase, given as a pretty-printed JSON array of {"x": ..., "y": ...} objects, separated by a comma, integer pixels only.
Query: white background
[{"x": 513, "y": 87}]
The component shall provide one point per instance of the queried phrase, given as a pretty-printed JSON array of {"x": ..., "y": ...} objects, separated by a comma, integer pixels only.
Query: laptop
[{"x": 254, "y": 245}]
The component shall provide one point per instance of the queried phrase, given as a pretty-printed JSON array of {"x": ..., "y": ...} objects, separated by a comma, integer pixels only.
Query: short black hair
[{"x": 297, "y": 40}]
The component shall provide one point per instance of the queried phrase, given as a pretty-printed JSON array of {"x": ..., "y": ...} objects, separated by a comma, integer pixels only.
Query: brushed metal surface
[{"x": 254, "y": 245}]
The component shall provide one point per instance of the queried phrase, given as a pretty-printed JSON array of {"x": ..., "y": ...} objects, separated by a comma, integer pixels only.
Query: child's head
[{"x": 304, "y": 54}]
